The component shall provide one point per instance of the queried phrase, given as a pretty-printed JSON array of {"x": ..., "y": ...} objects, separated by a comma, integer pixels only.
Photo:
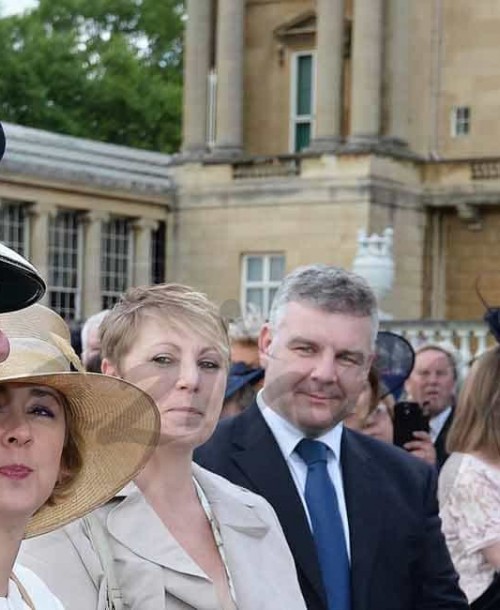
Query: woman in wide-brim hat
[{"x": 68, "y": 442}]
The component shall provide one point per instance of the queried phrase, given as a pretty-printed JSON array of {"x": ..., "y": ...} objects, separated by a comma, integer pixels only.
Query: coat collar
[
  {"x": 154, "y": 544},
  {"x": 232, "y": 507}
]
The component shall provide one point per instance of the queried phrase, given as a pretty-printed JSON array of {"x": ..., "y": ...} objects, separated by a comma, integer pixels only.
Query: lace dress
[{"x": 469, "y": 498}]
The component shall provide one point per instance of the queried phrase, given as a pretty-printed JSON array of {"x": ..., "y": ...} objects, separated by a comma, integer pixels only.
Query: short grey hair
[
  {"x": 93, "y": 322},
  {"x": 328, "y": 288}
]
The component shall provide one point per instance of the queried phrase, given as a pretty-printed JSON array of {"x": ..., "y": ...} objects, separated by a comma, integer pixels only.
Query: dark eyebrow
[
  {"x": 41, "y": 393},
  {"x": 34, "y": 392}
]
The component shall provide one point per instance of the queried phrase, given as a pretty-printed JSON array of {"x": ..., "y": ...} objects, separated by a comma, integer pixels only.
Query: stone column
[
  {"x": 142, "y": 250},
  {"x": 196, "y": 67},
  {"x": 92, "y": 256},
  {"x": 330, "y": 37},
  {"x": 40, "y": 214},
  {"x": 230, "y": 33},
  {"x": 366, "y": 71},
  {"x": 398, "y": 64}
]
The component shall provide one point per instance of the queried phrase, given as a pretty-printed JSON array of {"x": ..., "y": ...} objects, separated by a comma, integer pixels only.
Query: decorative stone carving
[
  {"x": 374, "y": 261},
  {"x": 470, "y": 215}
]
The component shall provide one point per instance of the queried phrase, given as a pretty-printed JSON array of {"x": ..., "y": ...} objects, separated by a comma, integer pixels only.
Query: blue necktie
[{"x": 328, "y": 531}]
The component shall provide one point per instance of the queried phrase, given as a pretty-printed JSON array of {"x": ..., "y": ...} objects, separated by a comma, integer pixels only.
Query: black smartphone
[{"x": 408, "y": 418}]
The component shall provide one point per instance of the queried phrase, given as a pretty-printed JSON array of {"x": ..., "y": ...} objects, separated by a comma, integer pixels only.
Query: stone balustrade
[{"x": 470, "y": 338}]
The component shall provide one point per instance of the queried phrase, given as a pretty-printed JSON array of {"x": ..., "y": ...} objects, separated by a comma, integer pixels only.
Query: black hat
[
  {"x": 394, "y": 361},
  {"x": 20, "y": 283},
  {"x": 240, "y": 375},
  {"x": 492, "y": 315},
  {"x": 2, "y": 141}
]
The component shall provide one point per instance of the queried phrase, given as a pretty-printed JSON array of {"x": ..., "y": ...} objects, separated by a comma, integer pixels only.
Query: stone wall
[
  {"x": 470, "y": 253},
  {"x": 309, "y": 218}
]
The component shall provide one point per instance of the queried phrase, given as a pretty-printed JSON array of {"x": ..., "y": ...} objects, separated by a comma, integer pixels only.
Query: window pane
[
  {"x": 12, "y": 225},
  {"x": 255, "y": 297},
  {"x": 64, "y": 283},
  {"x": 158, "y": 254},
  {"x": 304, "y": 85},
  {"x": 254, "y": 268},
  {"x": 277, "y": 269},
  {"x": 302, "y": 136},
  {"x": 115, "y": 248},
  {"x": 460, "y": 121}
]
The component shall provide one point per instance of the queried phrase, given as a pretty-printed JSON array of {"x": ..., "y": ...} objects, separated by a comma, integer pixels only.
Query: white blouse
[
  {"x": 469, "y": 498},
  {"x": 40, "y": 596}
]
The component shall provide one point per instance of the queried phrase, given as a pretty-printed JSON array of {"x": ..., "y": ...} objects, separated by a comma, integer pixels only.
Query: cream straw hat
[{"x": 118, "y": 422}]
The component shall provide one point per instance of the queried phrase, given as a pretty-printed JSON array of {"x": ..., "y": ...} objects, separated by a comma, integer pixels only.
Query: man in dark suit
[
  {"x": 382, "y": 513},
  {"x": 432, "y": 383}
]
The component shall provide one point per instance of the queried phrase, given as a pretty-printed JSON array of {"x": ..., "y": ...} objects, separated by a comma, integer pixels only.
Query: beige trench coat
[{"x": 153, "y": 570}]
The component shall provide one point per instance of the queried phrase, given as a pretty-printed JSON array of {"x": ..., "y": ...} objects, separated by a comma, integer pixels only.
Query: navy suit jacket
[
  {"x": 440, "y": 442},
  {"x": 399, "y": 560}
]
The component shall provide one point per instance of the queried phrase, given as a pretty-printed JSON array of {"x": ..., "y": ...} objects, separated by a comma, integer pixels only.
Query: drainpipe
[{"x": 437, "y": 44}]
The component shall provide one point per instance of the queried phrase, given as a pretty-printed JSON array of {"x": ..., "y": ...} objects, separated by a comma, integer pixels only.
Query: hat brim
[
  {"x": 236, "y": 382},
  {"x": 20, "y": 285},
  {"x": 394, "y": 362},
  {"x": 120, "y": 428},
  {"x": 2, "y": 141}
]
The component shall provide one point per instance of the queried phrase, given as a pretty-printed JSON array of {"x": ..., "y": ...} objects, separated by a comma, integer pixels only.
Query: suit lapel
[
  {"x": 440, "y": 442},
  {"x": 365, "y": 507},
  {"x": 258, "y": 457}
]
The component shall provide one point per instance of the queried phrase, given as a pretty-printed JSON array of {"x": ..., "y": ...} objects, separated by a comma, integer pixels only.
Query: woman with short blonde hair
[{"x": 181, "y": 537}]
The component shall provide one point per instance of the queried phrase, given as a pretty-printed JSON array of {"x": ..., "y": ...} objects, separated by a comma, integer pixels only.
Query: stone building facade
[
  {"x": 92, "y": 217},
  {"x": 306, "y": 120}
]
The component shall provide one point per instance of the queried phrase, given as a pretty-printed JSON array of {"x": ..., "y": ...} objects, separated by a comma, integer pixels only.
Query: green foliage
[{"x": 108, "y": 70}]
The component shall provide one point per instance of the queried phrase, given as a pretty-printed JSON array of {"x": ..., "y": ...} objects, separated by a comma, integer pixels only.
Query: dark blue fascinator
[
  {"x": 394, "y": 362},
  {"x": 241, "y": 374}
]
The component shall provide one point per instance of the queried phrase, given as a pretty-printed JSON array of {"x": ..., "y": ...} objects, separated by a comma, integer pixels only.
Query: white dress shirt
[
  {"x": 436, "y": 423},
  {"x": 288, "y": 436}
]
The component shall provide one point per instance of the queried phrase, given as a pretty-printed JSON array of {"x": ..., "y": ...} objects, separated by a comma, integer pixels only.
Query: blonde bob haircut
[
  {"x": 174, "y": 304},
  {"x": 476, "y": 425}
]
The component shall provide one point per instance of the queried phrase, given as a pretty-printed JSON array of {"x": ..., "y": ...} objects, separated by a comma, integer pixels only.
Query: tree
[{"x": 108, "y": 70}]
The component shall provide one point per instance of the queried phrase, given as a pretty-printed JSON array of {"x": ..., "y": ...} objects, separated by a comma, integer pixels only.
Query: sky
[{"x": 9, "y": 7}]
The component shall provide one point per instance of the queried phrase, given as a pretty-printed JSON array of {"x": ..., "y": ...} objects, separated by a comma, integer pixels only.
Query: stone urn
[{"x": 374, "y": 261}]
